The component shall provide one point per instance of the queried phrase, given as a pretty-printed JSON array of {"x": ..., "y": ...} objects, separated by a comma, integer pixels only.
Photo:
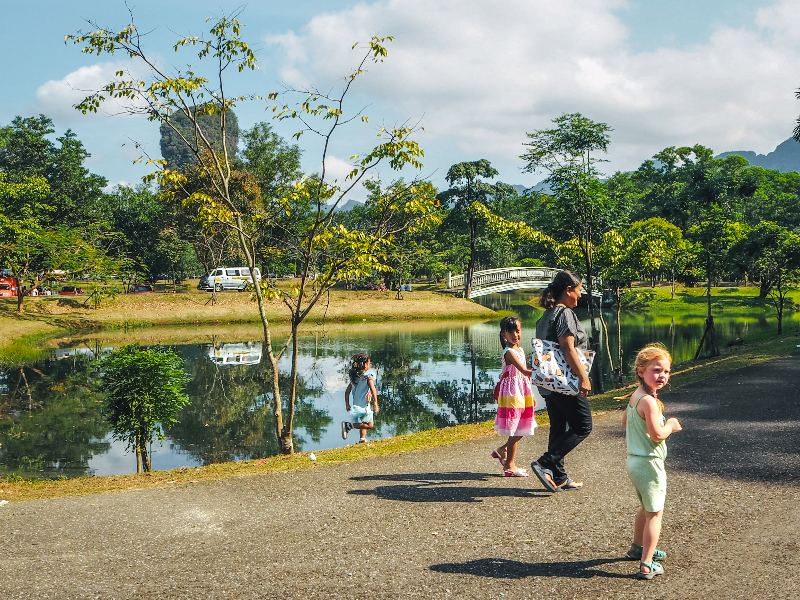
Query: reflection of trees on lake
[
  {"x": 229, "y": 417},
  {"x": 58, "y": 434},
  {"x": 409, "y": 405}
]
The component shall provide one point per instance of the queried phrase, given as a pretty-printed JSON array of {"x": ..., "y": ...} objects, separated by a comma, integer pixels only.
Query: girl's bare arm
[
  {"x": 347, "y": 396},
  {"x": 567, "y": 344},
  {"x": 648, "y": 410},
  {"x": 374, "y": 394},
  {"x": 512, "y": 359}
]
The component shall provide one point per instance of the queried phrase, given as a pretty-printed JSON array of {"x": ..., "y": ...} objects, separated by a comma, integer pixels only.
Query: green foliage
[
  {"x": 772, "y": 253},
  {"x": 145, "y": 392},
  {"x": 74, "y": 196},
  {"x": 636, "y": 299}
]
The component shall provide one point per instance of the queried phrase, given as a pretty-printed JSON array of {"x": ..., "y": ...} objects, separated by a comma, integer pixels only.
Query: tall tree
[
  {"x": 145, "y": 388},
  {"x": 327, "y": 251},
  {"x": 580, "y": 206},
  {"x": 772, "y": 252},
  {"x": 75, "y": 195},
  {"x": 466, "y": 189}
]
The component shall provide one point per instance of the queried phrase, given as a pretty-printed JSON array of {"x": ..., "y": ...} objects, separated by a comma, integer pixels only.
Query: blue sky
[{"x": 477, "y": 74}]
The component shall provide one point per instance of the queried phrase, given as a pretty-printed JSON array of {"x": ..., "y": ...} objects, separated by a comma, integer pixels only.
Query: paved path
[{"x": 441, "y": 523}]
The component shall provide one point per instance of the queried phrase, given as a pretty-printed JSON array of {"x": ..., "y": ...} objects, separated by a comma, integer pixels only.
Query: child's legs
[
  {"x": 362, "y": 427},
  {"x": 651, "y": 533},
  {"x": 638, "y": 526},
  {"x": 511, "y": 452}
]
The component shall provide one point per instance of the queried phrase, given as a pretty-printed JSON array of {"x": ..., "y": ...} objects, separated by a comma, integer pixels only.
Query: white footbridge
[{"x": 493, "y": 281}]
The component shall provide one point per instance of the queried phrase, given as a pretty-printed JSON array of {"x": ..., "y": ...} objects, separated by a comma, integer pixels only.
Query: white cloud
[
  {"x": 483, "y": 73},
  {"x": 338, "y": 169},
  {"x": 56, "y": 98}
]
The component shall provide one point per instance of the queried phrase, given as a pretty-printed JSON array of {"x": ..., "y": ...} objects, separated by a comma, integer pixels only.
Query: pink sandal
[{"x": 518, "y": 473}]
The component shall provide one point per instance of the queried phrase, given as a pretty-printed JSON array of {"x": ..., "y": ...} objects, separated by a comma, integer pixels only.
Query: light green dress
[{"x": 645, "y": 462}]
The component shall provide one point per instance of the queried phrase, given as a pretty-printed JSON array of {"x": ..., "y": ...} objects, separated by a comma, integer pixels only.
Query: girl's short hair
[
  {"x": 559, "y": 285},
  {"x": 646, "y": 356},
  {"x": 507, "y": 324},
  {"x": 358, "y": 364}
]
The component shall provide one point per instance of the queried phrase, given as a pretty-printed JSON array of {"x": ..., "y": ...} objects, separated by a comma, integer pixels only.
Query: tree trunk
[
  {"x": 709, "y": 332},
  {"x": 143, "y": 438},
  {"x": 619, "y": 341},
  {"x": 286, "y": 442},
  {"x": 780, "y": 313},
  {"x": 763, "y": 290},
  {"x": 473, "y": 227},
  {"x": 20, "y": 295}
]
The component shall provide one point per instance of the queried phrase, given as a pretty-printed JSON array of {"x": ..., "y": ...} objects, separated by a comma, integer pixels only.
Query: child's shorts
[
  {"x": 650, "y": 480},
  {"x": 360, "y": 414}
]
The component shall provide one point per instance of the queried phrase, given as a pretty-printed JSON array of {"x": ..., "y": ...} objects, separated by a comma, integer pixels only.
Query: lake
[{"x": 429, "y": 374}]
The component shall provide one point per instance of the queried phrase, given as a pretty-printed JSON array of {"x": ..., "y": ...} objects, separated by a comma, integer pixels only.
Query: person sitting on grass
[{"x": 362, "y": 386}]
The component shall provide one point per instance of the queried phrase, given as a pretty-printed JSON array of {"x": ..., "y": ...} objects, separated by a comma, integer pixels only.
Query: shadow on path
[
  {"x": 440, "y": 487},
  {"x": 743, "y": 426},
  {"x": 501, "y": 568}
]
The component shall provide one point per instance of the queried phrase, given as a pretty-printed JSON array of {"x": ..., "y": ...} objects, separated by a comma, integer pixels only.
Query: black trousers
[{"x": 570, "y": 424}]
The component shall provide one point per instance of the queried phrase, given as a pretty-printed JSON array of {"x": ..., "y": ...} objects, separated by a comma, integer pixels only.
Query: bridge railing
[{"x": 497, "y": 277}]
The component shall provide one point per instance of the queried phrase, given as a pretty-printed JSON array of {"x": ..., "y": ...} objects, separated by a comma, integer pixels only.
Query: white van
[{"x": 229, "y": 278}]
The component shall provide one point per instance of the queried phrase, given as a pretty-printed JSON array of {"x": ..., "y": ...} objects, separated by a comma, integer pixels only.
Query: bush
[
  {"x": 636, "y": 299},
  {"x": 367, "y": 283}
]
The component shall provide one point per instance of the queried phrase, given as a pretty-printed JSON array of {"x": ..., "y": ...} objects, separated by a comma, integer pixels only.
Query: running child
[
  {"x": 362, "y": 386},
  {"x": 646, "y": 430},
  {"x": 515, "y": 403}
]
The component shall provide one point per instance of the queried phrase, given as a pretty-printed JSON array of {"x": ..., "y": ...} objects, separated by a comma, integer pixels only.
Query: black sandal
[
  {"x": 570, "y": 484},
  {"x": 545, "y": 476}
]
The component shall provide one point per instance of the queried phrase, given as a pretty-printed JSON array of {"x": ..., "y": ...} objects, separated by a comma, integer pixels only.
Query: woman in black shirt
[{"x": 570, "y": 416}]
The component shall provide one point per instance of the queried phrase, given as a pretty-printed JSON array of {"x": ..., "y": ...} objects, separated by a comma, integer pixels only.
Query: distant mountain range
[
  {"x": 785, "y": 158},
  {"x": 349, "y": 205}
]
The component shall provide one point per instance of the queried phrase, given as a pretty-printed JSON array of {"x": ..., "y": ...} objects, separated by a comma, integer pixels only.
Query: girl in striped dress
[{"x": 515, "y": 403}]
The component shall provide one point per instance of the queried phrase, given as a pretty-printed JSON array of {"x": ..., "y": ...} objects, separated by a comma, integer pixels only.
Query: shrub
[{"x": 636, "y": 299}]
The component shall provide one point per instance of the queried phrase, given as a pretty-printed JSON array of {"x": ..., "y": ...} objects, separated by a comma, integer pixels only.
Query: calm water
[{"x": 429, "y": 375}]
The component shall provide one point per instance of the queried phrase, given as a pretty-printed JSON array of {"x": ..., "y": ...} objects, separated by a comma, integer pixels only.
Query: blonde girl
[
  {"x": 365, "y": 397},
  {"x": 515, "y": 403},
  {"x": 646, "y": 430}
]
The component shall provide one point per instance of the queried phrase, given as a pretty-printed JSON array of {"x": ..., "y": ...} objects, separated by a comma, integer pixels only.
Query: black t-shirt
[{"x": 565, "y": 322}]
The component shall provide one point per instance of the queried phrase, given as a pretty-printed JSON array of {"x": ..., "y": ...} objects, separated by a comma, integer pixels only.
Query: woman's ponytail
[
  {"x": 547, "y": 299},
  {"x": 561, "y": 282}
]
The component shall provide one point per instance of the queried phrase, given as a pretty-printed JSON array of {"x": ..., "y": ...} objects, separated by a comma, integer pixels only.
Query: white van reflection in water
[{"x": 240, "y": 353}]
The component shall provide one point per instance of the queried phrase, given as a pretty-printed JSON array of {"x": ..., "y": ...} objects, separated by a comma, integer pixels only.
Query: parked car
[
  {"x": 7, "y": 287},
  {"x": 229, "y": 278},
  {"x": 141, "y": 288},
  {"x": 70, "y": 290}
]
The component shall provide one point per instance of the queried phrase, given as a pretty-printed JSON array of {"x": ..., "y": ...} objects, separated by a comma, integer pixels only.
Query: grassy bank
[
  {"x": 51, "y": 315},
  {"x": 683, "y": 374}
]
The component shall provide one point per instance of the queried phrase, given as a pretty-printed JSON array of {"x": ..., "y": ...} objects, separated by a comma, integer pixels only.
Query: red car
[
  {"x": 70, "y": 290},
  {"x": 7, "y": 287},
  {"x": 141, "y": 288}
]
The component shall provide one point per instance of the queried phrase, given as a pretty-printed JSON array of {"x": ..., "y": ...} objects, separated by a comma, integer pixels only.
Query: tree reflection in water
[
  {"x": 229, "y": 417},
  {"x": 54, "y": 426}
]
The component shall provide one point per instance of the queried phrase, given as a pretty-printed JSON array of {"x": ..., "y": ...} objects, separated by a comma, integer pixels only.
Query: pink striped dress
[{"x": 515, "y": 403}]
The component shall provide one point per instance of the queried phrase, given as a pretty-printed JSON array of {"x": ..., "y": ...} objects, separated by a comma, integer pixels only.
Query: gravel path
[{"x": 442, "y": 523}]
